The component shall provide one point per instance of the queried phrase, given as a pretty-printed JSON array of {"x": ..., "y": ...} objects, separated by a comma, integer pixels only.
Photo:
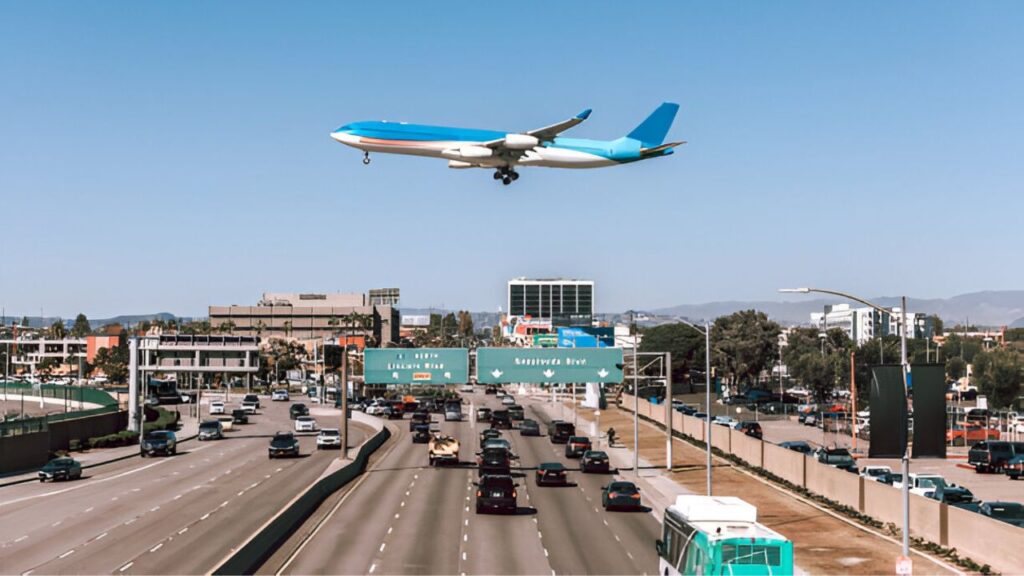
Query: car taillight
[
  {"x": 513, "y": 493},
  {"x": 613, "y": 494},
  {"x": 635, "y": 496},
  {"x": 478, "y": 493}
]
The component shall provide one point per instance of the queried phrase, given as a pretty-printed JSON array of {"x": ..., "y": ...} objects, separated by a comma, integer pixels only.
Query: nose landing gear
[
  {"x": 366, "y": 157},
  {"x": 506, "y": 175}
]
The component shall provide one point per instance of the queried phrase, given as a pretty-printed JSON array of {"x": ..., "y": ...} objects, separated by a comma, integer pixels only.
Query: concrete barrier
[
  {"x": 746, "y": 448},
  {"x": 693, "y": 427},
  {"x": 928, "y": 519},
  {"x": 835, "y": 484},
  {"x": 720, "y": 438},
  {"x": 784, "y": 463},
  {"x": 985, "y": 540},
  {"x": 24, "y": 451}
]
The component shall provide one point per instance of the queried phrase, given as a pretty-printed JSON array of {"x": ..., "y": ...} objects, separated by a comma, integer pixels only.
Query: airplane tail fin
[{"x": 652, "y": 131}]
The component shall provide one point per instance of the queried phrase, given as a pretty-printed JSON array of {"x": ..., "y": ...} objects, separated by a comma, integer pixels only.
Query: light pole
[
  {"x": 707, "y": 392},
  {"x": 906, "y": 372}
]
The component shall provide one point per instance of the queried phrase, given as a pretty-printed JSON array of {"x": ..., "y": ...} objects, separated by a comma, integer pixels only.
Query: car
[
  {"x": 496, "y": 493},
  {"x": 497, "y": 443},
  {"x": 251, "y": 399},
  {"x": 487, "y": 434},
  {"x": 874, "y": 473},
  {"x": 328, "y": 438},
  {"x": 752, "y": 429},
  {"x": 990, "y": 456},
  {"x": 797, "y": 446},
  {"x": 453, "y": 411},
  {"x": 494, "y": 461},
  {"x": 279, "y": 395},
  {"x": 466, "y": 389},
  {"x": 62, "y": 468},
  {"x": 240, "y": 416},
  {"x": 576, "y": 446},
  {"x": 216, "y": 407},
  {"x": 305, "y": 424},
  {"x": 551, "y": 474},
  {"x": 811, "y": 420},
  {"x": 1014, "y": 468},
  {"x": 516, "y": 413},
  {"x": 921, "y": 484},
  {"x": 594, "y": 461},
  {"x": 724, "y": 421},
  {"x": 395, "y": 410},
  {"x": 491, "y": 390},
  {"x": 508, "y": 401},
  {"x": 249, "y": 407},
  {"x": 377, "y": 407},
  {"x": 1009, "y": 512},
  {"x": 298, "y": 409},
  {"x": 956, "y": 496},
  {"x": 891, "y": 478},
  {"x": 421, "y": 434},
  {"x": 210, "y": 430},
  {"x": 283, "y": 444},
  {"x": 419, "y": 417},
  {"x": 442, "y": 449},
  {"x": 159, "y": 442},
  {"x": 837, "y": 458},
  {"x": 560, "y": 431},
  {"x": 620, "y": 496},
  {"x": 501, "y": 420},
  {"x": 483, "y": 414},
  {"x": 700, "y": 415},
  {"x": 529, "y": 428}
]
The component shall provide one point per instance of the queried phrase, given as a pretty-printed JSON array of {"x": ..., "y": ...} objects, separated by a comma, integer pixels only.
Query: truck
[
  {"x": 922, "y": 484},
  {"x": 443, "y": 449}
]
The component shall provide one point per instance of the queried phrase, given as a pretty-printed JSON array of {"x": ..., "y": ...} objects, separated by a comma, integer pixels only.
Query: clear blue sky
[{"x": 168, "y": 156}]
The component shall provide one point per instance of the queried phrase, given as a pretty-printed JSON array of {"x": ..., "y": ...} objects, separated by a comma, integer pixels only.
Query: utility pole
[{"x": 343, "y": 390}]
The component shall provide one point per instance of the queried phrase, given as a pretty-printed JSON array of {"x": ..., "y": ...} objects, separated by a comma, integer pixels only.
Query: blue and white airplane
[{"x": 504, "y": 151}]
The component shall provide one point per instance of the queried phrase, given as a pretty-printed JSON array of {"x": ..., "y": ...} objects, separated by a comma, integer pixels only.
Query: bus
[{"x": 720, "y": 535}]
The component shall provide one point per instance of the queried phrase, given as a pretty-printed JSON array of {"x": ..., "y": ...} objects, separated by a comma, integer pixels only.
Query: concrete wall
[
  {"x": 28, "y": 451},
  {"x": 720, "y": 438},
  {"x": 833, "y": 483},
  {"x": 784, "y": 463},
  {"x": 693, "y": 427},
  {"x": 927, "y": 519},
  {"x": 63, "y": 432},
  {"x": 746, "y": 448},
  {"x": 24, "y": 451},
  {"x": 986, "y": 540},
  {"x": 883, "y": 503}
]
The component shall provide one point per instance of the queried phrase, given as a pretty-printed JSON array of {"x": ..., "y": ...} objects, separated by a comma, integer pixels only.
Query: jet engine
[{"x": 520, "y": 141}]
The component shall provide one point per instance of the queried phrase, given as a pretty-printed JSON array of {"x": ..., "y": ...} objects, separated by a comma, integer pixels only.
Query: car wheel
[
  {"x": 142, "y": 454},
  {"x": 42, "y": 479}
]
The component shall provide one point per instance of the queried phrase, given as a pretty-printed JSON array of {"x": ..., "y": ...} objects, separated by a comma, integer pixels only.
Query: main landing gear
[
  {"x": 506, "y": 175},
  {"x": 366, "y": 157}
]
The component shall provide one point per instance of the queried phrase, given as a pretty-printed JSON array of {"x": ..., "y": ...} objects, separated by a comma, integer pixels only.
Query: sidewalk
[{"x": 823, "y": 543}]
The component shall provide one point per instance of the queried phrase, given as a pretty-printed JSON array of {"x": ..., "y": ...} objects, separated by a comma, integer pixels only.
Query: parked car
[
  {"x": 891, "y": 478},
  {"x": 63, "y": 468},
  {"x": 1009, "y": 512},
  {"x": 797, "y": 446},
  {"x": 752, "y": 429},
  {"x": 551, "y": 474},
  {"x": 279, "y": 395},
  {"x": 529, "y": 428},
  {"x": 305, "y": 424},
  {"x": 620, "y": 496},
  {"x": 159, "y": 442},
  {"x": 874, "y": 473},
  {"x": 1014, "y": 469},
  {"x": 216, "y": 407},
  {"x": 283, "y": 444},
  {"x": 837, "y": 458},
  {"x": 240, "y": 416},
  {"x": 496, "y": 493},
  {"x": 210, "y": 430},
  {"x": 957, "y": 496},
  {"x": 298, "y": 409},
  {"x": 594, "y": 461},
  {"x": 328, "y": 438},
  {"x": 576, "y": 446},
  {"x": 990, "y": 455},
  {"x": 483, "y": 414},
  {"x": 723, "y": 421},
  {"x": 920, "y": 484}
]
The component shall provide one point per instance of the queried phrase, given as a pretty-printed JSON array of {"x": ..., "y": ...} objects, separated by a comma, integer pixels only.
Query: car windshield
[
  {"x": 628, "y": 487},
  {"x": 593, "y": 454},
  {"x": 330, "y": 432},
  {"x": 59, "y": 463},
  {"x": 552, "y": 466},
  {"x": 931, "y": 483},
  {"x": 209, "y": 425},
  {"x": 876, "y": 471},
  {"x": 158, "y": 435}
]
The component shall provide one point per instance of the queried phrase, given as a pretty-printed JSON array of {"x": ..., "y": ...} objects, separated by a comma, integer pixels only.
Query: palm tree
[
  {"x": 288, "y": 328},
  {"x": 58, "y": 331},
  {"x": 227, "y": 326}
]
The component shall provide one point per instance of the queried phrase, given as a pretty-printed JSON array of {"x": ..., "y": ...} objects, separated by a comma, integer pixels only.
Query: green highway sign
[
  {"x": 416, "y": 366},
  {"x": 548, "y": 365}
]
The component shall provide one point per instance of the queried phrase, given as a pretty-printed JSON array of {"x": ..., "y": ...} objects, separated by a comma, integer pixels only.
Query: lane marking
[
  {"x": 66, "y": 554},
  {"x": 157, "y": 547},
  {"x": 403, "y": 504},
  {"x": 397, "y": 516},
  {"x": 628, "y": 553},
  {"x": 465, "y": 537},
  {"x": 605, "y": 522},
  {"x": 183, "y": 530},
  {"x": 130, "y": 521},
  {"x": 126, "y": 566},
  {"x": 390, "y": 528},
  {"x": 372, "y": 568},
  {"x": 382, "y": 545},
  {"x": 463, "y": 555},
  {"x": 113, "y": 499},
  {"x": 154, "y": 508},
  {"x": 204, "y": 516},
  {"x": 406, "y": 492},
  {"x": 55, "y": 524},
  {"x": 101, "y": 536},
  {"x": 545, "y": 552},
  {"x": 225, "y": 503},
  {"x": 241, "y": 493},
  {"x": 80, "y": 486},
  {"x": 617, "y": 539},
  {"x": 90, "y": 508},
  {"x": 254, "y": 484},
  {"x": 467, "y": 521},
  {"x": 138, "y": 489},
  {"x": 20, "y": 539},
  {"x": 178, "y": 496}
]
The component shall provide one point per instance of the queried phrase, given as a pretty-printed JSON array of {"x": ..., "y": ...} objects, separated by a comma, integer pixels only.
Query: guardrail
[
  {"x": 1000, "y": 544},
  {"x": 252, "y": 555}
]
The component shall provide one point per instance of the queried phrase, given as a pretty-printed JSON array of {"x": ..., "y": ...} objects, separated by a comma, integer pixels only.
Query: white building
[{"x": 864, "y": 324}]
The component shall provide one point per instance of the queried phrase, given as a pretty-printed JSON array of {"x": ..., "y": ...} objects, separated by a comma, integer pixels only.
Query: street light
[
  {"x": 707, "y": 391},
  {"x": 906, "y": 372}
]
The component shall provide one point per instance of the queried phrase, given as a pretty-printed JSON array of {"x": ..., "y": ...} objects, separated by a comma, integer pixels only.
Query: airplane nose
[{"x": 344, "y": 136}]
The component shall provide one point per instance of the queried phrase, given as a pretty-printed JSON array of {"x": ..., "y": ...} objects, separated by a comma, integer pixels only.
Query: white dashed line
[
  {"x": 467, "y": 508},
  {"x": 390, "y": 528},
  {"x": 605, "y": 522},
  {"x": 617, "y": 539},
  {"x": 66, "y": 554},
  {"x": 545, "y": 552},
  {"x": 539, "y": 535},
  {"x": 467, "y": 521},
  {"x": 416, "y": 476},
  {"x": 130, "y": 521},
  {"x": 254, "y": 484},
  {"x": 183, "y": 530},
  {"x": 225, "y": 503},
  {"x": 157, "y": 547},
  {"x": 465, "y": 537},
  {"x": 241, "y": 493},
  {"x": 279, "y": 469},
  {"x": 402, "y": 505},
  {"x": 113, "y": 499},
  {"x": 204, "y": 516},
  {"x": 125, "y": 567},
  {"x": 101, "y": 536},
  {"x": 178, "y": 496},
  {"x": 22, "y": 538},
  {"x": 382, "y": 545},
  {"x": 136, "y": 489},
  {"x": 397, "y": 516},
  {"x": 629, "y": 554},
  {"x": 463, "y": 556},
  {"x": 372, "y": 568},
  {"x": 55, "y": 524},
  {"x": 407, "y": 492},
  {"x": 266, "y": 476},
  {"x": 90, "y": 508},
  {"x": 154, "y": 508}
]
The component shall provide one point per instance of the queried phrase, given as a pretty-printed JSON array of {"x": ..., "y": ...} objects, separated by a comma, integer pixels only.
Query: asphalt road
[
  {"x": 404, "y": 517},
  {"x": 163, "y": 515}
]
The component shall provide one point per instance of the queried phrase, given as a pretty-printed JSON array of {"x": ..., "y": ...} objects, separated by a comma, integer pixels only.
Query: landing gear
[
  {"x": 497, "y": 174},
  {"x": 506, "y": 175},
  {"x": 366, "y": 157}
]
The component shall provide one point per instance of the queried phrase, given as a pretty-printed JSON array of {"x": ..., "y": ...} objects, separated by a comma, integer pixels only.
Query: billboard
[
  {"x": 888, "y": 412},
  {"x": 416, "y": 366},
  {"x": 586, "y": 337},
  {"x": 548, "y": 365}
]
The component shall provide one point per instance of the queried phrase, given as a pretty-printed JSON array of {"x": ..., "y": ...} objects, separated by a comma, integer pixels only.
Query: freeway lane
[
  {"x": 161, "y": 515},
  {"x": 408, "y": 518}
]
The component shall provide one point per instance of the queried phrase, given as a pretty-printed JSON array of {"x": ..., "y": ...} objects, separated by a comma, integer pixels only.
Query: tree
[
  {"x": 816, "y": 372},
  {"x": 81, "y": 327},
  {"x": 744, "y": 343},
  {"x": 281, "y": 355},
  {"x": 287, "y": 327},
  {"x": 956, "y": 368},
  {"x": 966, "y": 348},
  {"x": 937, "y": 325},
  {"x": 685, "y": 344},
  {"x": 58, "y": 331},
  {"x": 113, "y": 362},
  {"x": 227, "y": 326},
  {"x": 998, "y": 374},
  {"x": 465, "y": 329}
]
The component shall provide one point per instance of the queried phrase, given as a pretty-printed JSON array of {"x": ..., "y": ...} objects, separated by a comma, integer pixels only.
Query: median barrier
[
  {"x": 746, "y": 448},
  {"x": 832, "y": 483},
  {"x": 784, "y": 463},
  {"x": 976, "y": 536},
  {"x": 262, "y": 545},
  {"x": 693, "y": 427},
  {"x": 720, "y": 438}
]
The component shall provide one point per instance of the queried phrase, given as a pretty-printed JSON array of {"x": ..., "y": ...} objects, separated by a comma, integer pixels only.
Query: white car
[
  {"x": 217, "y": 407},
  {"x": 279, "y": 395},
  {"x": 376, "y": 408},
  {"x": 508, "y": 400},
  {"x": 328, "y": 438},
  {"x": 249, "y": 407},
  {"x": 724, "y": 421},
  {"x": 874, "y": 473},
  {"x": 921, "y": 484},
  {"x": 305, "y": 424},
  {"x": 468, "y": 389}
]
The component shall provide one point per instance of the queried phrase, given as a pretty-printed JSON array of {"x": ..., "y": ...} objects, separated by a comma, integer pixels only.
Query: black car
[
  {"x": 560, "y": 431},
  {"x": 797, "y": 446},
  {"x": 421, "y": 433},
  {"x": 990, "y": 455},
  {"x": 61, "y": 469},
  {"x": 283, "y": 444},
  {"x": 576, "y": 446},
  {"x": 1009, "y": 512},
  {"x": 298, "y": 409},
  {"x": 837, "y": 458},
  {"x": 419, "y": 417},
  {"x": 491, "y": 390},
  {"x": 551, "y": 474},
  {"x": 487, "y": 434},
  {"x": 516, "y": 413},
  {"x": 496, "y": 493},
  {"x": 594, "y": 461},
  {"x": 501, "y": 420},
  {"x": 752, "y": 429},
  {"x": 494, "y": 461},
  {"x": 890, "y": 478},
  {"x": 159, "y": 442},
  {"x": 240, "y": 416},
  {"x": 620, "y": 496},
  {"x": 483, "y": 414},
  {"x": 529, "y": 428},
  {"x": 957, "y": 496}
]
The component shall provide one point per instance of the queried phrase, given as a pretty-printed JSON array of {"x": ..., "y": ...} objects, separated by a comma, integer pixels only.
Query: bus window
[{"x": 759, "y": 554}]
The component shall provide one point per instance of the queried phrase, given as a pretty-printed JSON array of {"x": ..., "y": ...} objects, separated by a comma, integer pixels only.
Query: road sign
[
  {"x": 904, "y": 566},
  {"x": 548, "y": 365},
  {"x": 417, "y": 366}
]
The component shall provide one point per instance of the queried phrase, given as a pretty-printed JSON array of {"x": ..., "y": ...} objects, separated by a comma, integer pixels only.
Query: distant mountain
[
  {"x": 1018, "y": 323},
  {"x": 124, "y": 320},
  {"x": 990, "y": 308}
]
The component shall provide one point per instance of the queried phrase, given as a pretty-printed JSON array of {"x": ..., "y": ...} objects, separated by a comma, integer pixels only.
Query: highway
[
  {"x": 162, "y": 515},
  {"x": 404, "y": 517}
]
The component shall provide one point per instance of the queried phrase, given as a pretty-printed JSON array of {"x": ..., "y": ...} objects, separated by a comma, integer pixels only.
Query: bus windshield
[{"x": 746, "y": 554}]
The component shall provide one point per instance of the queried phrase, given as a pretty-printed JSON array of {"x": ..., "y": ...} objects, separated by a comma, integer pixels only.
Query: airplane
[{"x": 504, "y": 151}]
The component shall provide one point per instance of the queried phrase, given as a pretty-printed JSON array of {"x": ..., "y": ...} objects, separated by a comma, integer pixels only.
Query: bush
[
  {"x": 165, "y": 420},
  {"x": 122, "y": 438}
]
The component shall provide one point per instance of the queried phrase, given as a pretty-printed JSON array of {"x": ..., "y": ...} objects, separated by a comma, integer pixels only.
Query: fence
[{"x": 997, "y": 543}]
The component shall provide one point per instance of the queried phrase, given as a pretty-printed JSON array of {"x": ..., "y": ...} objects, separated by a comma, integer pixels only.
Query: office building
[{"x": 562, "y": 302}]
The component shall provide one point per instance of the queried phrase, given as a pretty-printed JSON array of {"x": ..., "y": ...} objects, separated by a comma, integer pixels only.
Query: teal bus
[{"x": 720, "y": 535}]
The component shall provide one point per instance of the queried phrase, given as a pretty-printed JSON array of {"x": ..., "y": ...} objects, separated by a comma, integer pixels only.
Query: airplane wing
[{"x": 541, "y": 134}]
